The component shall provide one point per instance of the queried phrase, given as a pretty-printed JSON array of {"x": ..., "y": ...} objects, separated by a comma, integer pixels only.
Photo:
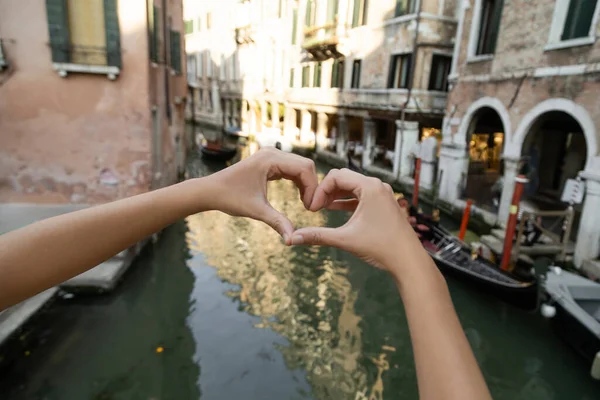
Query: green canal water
[{"x": 218, "y": 308}]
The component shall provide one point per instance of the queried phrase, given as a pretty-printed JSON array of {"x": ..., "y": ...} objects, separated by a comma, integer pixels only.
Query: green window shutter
[
  {"x": 295, "y": 26},
  {"x": 176, "y": 51},
  {"x": 155, "y": 34},
  {"x": 494, "y": 28},
  {"x": 579, "y": 19},
  {"x": 317, "y": 75},
  {"x": 334, "y": 74},
  {"x": 356, "y": 13},
  {"x": 332, "y": 10},
  {"x": 58, "y": 29},
  {"x": 113, "y": 35}
]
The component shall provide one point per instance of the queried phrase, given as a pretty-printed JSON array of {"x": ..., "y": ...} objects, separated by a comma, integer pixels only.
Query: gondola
[
  {"x": 217, "y": 152},
  {"x": 455, "y": 257}
]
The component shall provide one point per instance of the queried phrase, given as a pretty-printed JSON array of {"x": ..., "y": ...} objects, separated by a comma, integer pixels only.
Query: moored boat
[
  {"x": 455, "y": 257},
  {"x": 573, "y": 304}
]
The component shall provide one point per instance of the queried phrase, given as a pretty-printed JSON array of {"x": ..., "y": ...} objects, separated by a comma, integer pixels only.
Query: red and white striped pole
[{"x": 511, "y": 225}]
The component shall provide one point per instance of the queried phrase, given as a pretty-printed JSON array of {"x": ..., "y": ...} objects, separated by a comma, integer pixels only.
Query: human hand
[
  {"x": 378, "y": 231},
  {"x": 241, "y": 190}
]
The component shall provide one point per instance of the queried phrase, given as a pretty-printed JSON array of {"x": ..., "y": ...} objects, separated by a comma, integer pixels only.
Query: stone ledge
[{"x": 14, "y": 317}]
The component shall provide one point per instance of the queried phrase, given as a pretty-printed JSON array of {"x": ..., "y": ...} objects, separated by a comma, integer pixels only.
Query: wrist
[{"x": 198, "y": 195}]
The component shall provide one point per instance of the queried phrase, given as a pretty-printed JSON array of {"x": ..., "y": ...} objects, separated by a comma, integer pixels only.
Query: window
[
  {"x": 200, "y": 65},
  {"x": 191, "y": 68},
  {"x": 489, "y": 26},
  {"x": 400, "y": 71},
  {"x": 189, "y": 26},
  {"x": 209, "y": 64},
  {"x": 295, "y": 26},
  {"x": 332, "y": 10},
  {"x": 84, "y": 32},
  {"x": 440, "y": 69},
  {"x": 156, "y": 35},
  {"x": 359, "y": 14},
  {"x": 356, "y": 66},
  {"x": 210, "y": 100},
  {"x": 280, "y": 9},
  {"x": 337, "y": 74},
  {"x": 305, "y": 76},
  {"x": 292, "y": 77},
  {"x": 311, "y": 12},
  {"x": 317, "y": 75},
  {"x": 579, "y": 19},
  {"x": 199, "y": 24},
  {"x": 208, "y": 21},
  {"x": 404, "y": 7},
  {"x": 175, "y": 47}
]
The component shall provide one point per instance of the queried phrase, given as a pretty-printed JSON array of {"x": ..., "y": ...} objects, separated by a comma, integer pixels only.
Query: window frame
[
  {"x": 475, "y": 34},
  {"x": 188, "y": 23},
  {"x": 559, "y": 19},
  {"x": 392, "y": 75},
  {"x": 305, "y": 82},
  {"x": 317, "y": 75},
  {"x": 431, "y": 71},
  {"x": 412, "y": 6},
  {"x": 359, "y": 18},
  {"x": 337, "y": 72},
  {"x": 356, "y": 73}
]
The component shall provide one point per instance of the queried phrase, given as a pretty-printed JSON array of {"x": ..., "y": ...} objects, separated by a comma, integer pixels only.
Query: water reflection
[
  {"x": 344, "y": 324},
  {"x": 105, "y": 347}
]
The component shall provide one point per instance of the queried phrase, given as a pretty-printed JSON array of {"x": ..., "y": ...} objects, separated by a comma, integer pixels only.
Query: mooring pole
[{"x": 511, "y": 225}]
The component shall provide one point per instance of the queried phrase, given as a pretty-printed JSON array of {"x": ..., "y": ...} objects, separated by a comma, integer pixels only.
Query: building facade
[
  {"x": 91, "y": 98},
  {"x": 214, "y": 80},
  {"x": 522, "y": 101}
]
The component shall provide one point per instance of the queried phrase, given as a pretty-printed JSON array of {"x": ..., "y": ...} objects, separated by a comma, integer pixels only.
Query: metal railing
[{"x": 534, "y": 220}]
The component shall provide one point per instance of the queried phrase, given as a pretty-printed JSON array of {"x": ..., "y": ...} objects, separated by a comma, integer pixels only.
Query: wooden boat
[
  {"x": 455, "y": 257},
  {"x": 573, "y": 304},
  {"x": 217, "y": 151}
]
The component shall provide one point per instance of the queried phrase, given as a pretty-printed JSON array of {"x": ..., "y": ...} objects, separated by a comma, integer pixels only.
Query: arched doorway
[
  {"x": 553, "y": 151},
  {"x": 485, "y": 142}
]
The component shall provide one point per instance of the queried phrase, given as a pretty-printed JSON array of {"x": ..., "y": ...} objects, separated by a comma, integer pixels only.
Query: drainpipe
[{"x": 413, "y": 61}]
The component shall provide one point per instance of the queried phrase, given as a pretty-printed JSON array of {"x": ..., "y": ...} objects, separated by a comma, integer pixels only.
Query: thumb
[
  {"x": 278, "y": 221},
  {"x": 316, "y": 236}
]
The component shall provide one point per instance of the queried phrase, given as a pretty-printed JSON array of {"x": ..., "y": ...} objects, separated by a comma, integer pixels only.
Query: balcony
[
  {"x": 422, "y": 101},
  {"x": 323, "y": 42}
]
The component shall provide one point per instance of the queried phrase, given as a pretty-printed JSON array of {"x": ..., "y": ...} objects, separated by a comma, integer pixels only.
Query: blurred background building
[{"x": 91, "y": 98}]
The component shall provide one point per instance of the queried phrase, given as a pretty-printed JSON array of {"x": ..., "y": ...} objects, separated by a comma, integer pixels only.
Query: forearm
[
  {"x": 49, "y": 252},
  {"x": 446, "y": 366}
]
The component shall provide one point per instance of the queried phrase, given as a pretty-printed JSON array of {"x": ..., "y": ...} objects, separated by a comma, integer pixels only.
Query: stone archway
[{"x": 561, "y": 120}]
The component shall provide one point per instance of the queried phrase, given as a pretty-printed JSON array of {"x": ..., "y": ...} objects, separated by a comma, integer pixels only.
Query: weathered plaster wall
[
  {"x": 510, "y": 75},
  {"x": 80, "y": 139}
]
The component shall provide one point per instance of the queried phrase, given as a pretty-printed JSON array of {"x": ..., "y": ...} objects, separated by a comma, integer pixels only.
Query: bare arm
[
  {"x": 446, "y": 367},
  {"x": 49, "y": 252},
  {"x": 379, "y": 233}
]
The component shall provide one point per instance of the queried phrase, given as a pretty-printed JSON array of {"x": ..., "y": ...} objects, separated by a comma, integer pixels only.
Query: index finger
[
  {"x": 300, "y": 170},
  {"x": 337, "y": 181}
]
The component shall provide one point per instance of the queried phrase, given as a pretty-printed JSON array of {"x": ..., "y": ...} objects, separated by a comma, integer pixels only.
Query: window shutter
[
  {"x": 494, "y": 28},
  {"x": 295, "y": 26},
  {"x": 392, "y": 72},
  {"x": 176, "y": 51},
  {"x": 332, "y": 10},
  {"x": 356, "y": 13},
  {"x": 58, "y": 29},
  {"x": 113, "y": 35},
  {"x": 579, "y": 19}
]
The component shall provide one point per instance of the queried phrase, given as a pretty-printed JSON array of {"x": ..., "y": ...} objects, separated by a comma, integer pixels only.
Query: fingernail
[
  {"x": 297, "y": 239},
  {"x": 286, "y": 238}
]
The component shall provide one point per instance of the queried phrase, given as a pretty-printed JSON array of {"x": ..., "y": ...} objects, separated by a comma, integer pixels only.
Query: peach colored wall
[
  {"x": 172, "y": 132},
  {"x": 58, "y": 134}
]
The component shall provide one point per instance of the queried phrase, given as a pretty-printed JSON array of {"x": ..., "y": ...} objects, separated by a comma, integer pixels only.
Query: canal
[{"x": 218, "y": 308}]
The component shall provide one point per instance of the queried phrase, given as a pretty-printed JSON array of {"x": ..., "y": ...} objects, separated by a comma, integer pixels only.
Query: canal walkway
[{"x": 218, "y": 308}]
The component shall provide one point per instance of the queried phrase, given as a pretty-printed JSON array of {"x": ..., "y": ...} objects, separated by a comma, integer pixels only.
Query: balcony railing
[{"x": 380, "y": 99}]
